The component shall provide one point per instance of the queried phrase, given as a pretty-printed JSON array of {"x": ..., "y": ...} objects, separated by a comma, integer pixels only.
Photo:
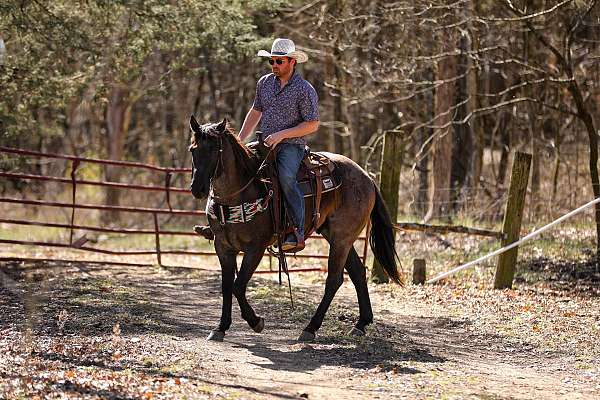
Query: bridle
[{"x": 217, "y": 172}]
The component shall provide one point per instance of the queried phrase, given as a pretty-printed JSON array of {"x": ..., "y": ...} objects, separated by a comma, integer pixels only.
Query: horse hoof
[
  {"x": 306, "y": 336},
  {"x": 258, "y": 328},
  {"x": 216, "y": 336},
  {"x": 356, "y": 332}
]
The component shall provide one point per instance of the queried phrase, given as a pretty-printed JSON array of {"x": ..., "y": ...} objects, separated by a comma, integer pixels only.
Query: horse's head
[{"x": 206, "y": 145}]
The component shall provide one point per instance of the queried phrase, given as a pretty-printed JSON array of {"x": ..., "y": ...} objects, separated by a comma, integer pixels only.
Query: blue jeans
[{"x": 289, "y": 157}]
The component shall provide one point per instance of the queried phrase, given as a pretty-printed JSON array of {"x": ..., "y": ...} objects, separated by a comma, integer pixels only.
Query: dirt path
[{"x": 140, "y": 333}]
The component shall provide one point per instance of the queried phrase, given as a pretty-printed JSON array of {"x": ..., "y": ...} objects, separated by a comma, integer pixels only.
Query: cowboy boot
[
  {"x": 293, "y": 242},
  {"x": 204, "y": 231}
]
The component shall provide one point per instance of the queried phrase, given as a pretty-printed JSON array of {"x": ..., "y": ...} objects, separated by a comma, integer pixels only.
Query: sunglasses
[{"x": 278, "y": 61}]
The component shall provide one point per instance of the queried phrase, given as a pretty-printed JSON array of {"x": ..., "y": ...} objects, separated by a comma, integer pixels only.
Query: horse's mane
[{"x": 246, "y": 158}]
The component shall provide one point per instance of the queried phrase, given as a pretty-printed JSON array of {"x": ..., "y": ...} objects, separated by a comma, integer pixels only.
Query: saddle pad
[{"x": 328, "y": 185}]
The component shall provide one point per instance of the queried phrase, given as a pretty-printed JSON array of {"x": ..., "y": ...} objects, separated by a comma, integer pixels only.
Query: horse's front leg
[
  {"x": 249, "y": 265},
  {"x": 228, "y": 263}
]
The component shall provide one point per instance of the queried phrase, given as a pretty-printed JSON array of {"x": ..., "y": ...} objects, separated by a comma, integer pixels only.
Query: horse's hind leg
[
  {"x": 249, "y": 265},
  {"x": 338, "y": 254},
  {"x": 358, "y": 275}
]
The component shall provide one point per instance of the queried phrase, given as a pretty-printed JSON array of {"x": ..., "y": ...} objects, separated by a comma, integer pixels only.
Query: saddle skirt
[{"x": 317, "y": 168}]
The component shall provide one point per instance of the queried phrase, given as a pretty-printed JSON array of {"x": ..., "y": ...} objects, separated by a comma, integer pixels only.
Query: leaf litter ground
[{"x": 83, "y": 331}]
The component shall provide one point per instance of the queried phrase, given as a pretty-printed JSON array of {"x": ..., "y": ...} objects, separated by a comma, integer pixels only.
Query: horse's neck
[{"x": 237, "y": 171}]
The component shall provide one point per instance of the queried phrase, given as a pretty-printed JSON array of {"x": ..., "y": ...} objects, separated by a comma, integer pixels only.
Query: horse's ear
[
  {"x": 194, "y": 125},
  {"x": 222, "y": 125}
]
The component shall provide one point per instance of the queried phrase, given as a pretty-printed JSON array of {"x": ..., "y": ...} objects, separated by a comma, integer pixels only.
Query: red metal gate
[{"x": 80, "y": 244}]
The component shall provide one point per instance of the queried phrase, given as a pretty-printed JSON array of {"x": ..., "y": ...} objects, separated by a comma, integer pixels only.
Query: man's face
[{"x": 281, "y": 66}]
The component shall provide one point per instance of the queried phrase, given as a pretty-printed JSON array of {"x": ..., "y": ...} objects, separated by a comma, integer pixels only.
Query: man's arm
[
  {"x": 302, "y": 129},
  {"x": 250, "y": 122}
]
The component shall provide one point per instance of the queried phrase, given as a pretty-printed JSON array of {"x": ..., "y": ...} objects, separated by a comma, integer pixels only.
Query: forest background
[{"x": 465, "y": 83}]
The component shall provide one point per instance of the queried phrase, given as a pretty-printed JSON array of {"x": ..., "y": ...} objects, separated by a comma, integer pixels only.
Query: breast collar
[{"x": 240, "y": 213}]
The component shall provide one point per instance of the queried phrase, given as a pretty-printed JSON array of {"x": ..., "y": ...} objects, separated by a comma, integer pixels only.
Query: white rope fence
[{"x": 515, "y": 244}]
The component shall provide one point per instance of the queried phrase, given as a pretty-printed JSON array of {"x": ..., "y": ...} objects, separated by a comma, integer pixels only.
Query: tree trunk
[
  {"x": 216, "y": 114},
  {"x": 585, "y": 115},
  {"x": 338, "y": 115},
  {"x": 118, "y": 115},
  {"x": 462, "y": 150},
  {"x": 557, "y": 144},
  {"x": 442, "y": 146},
  {"x": 423, "y": 169},
  {"x": 330, "y": 76},
  {"x": 532, "y": 56},
  {"x": 504, "y": 151},
  {"x": 476, "y": 164},
  {"x": 424, "y": 135}
]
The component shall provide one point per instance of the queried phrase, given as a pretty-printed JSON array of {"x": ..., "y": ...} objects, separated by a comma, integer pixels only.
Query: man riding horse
[
  {"x": 243, "y": 212},
  {"x": 286, "y": 106}
]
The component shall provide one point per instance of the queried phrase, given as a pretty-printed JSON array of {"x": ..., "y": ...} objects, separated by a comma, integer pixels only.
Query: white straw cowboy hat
[{"x": 284, "y": 48}]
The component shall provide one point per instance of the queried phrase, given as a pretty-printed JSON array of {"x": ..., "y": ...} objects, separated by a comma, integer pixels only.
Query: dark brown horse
[{"x": 223, "y": 167}]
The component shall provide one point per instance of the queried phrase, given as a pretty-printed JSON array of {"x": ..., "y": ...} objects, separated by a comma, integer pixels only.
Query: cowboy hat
[{"x": 284, "y": 48}]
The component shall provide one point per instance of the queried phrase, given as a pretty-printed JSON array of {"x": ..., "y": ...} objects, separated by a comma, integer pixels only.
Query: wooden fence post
[
  {"x": 419, "y": 271},
  {"x": 389, "y": 185},
  {"x": 505, "y": 271}
]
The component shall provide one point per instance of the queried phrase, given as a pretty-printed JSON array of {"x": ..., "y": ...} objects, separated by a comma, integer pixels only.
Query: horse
[{"x": 224, "y": 170}]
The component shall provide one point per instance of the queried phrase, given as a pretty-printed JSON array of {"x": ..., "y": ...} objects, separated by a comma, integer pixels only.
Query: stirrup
[{"x": 293, "y": 247}]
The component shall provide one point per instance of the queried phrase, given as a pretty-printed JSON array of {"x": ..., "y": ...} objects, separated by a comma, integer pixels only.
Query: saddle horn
[{"x": 263, "y": 150}]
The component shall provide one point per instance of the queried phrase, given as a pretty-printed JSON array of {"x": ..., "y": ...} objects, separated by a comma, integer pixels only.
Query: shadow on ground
[
  {"x": 310, "y": 358},
  {"x": 572, "y": 277}
]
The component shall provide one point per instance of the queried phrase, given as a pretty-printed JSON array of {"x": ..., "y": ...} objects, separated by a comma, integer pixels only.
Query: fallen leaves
[
  {"x": 106, "y": 353},
  {"x": 116, "y": 330},
  {"x": 62, "y": 319}
]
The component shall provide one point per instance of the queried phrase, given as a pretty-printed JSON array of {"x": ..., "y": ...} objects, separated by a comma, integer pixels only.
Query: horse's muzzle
[{"x": 198, "y": 192}]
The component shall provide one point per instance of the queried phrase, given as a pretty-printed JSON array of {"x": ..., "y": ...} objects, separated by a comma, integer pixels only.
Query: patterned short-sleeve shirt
[{"x": 286, "y": 107}]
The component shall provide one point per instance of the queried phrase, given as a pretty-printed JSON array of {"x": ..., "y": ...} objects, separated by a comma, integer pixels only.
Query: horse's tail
[{"x": 382, "y": 239}]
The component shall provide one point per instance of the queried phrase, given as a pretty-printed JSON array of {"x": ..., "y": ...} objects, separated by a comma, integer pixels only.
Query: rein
[{"x": 220, "y": 162}]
